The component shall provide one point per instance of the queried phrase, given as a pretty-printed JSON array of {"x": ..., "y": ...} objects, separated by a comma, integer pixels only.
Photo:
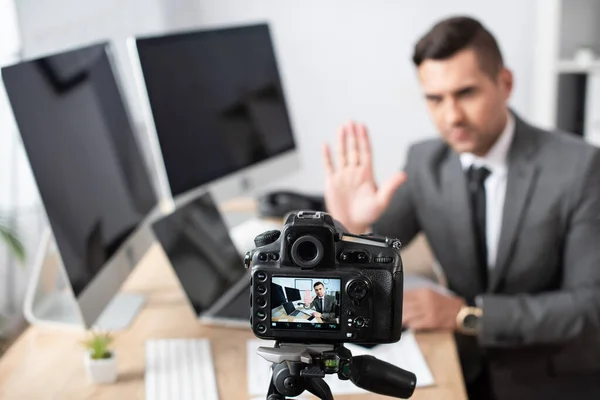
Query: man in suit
[
  {"x": 512, "y": 214},
  {"x": 323, "y": 304}
]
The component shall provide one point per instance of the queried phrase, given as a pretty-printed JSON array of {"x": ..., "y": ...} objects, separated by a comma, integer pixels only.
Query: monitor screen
[
  {"x": 197, "y": 243},
  {"x": 83, "y": 154},
  {"x": 217, "y": 102},
  {"x": 292, "y": 294}
]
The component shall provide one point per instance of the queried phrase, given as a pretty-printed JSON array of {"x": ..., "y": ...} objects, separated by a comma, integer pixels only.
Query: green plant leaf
[
  {"x": 98, "y": 344},
  {"x": 13, "y": 243}
]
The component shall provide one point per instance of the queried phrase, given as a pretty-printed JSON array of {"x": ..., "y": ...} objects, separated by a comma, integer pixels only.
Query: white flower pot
[{"x": 101, "y": 371}]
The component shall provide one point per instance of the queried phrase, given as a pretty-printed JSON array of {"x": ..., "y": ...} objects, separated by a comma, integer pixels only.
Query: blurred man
[
  {"x": 323, "y": 304},
  {"x": 512, "y": 214}
]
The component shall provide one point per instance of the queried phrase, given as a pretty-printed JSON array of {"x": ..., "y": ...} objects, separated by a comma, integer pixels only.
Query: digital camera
[{"x": 314, "y": 283}]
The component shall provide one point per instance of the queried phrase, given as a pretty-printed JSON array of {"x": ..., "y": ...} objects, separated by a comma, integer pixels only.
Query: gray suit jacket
[
  {"x": 327, "y": 314},
  {"x": 540, "y": 333}
]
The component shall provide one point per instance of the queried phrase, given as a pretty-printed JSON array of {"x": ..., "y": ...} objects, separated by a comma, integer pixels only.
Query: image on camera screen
[{"x": 305, "y": 303}]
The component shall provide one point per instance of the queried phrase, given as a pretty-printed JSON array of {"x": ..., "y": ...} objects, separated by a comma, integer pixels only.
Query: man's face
[
  {"x": 320, "y": 290},
  {"x": 468, "y": 106}
]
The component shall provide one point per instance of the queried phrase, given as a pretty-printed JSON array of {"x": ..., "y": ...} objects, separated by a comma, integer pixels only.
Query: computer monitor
[
  {"x": 196, "y": 241},
  {"x": 219, "y": 110},
  {"x": 277, "y": 295},
  {"x": 292, "y": 294},
  {"x": 89, "y": 171}
]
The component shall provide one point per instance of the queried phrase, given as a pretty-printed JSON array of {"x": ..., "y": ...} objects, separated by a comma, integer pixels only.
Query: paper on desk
[
  {"x": 405, "y": 354},
  {"x": 415, "y": 281}
]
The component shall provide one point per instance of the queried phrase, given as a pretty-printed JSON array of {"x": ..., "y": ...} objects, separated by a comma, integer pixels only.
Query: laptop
[
  {"x": 196, "y": 240},
  {"x": 293, "y": 312}
]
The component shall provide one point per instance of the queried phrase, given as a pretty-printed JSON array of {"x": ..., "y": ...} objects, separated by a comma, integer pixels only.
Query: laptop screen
[
  {"x": 289, "y": 307},
  {"x": 197, "y": 243}
]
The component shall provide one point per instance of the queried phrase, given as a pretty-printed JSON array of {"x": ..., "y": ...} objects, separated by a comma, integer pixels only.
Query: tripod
[{"x": 298, "y": 367}]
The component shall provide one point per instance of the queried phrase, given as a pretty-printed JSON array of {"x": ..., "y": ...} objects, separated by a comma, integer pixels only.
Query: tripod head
[{"x": 298, "y": 367}]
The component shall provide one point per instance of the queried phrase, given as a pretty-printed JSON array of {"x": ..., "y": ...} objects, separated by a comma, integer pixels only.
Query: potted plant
[
  {"x": 100, "y": 361},
  {"x": 15, "y": 247},
  {"x": 12, "y": 242}
]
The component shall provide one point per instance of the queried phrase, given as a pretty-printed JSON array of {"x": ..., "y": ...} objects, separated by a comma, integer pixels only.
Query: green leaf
[
  {"x": 14, "y": 245},
  {"x": 98, "y": 344}
]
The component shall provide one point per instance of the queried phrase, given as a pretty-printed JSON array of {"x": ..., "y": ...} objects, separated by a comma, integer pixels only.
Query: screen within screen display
[{"x": 305, "y": 303}]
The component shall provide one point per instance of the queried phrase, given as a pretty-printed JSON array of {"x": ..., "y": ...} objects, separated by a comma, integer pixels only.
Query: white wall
[
  {"x": 351, "y": 59},
  {"x": 339, "y": 60}
]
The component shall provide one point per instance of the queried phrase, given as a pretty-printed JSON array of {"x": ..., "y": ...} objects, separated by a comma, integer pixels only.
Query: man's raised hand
[{"x": 351, "y": 194}]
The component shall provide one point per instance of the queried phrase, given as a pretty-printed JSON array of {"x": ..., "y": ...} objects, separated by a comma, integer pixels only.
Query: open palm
[{"x": 351, "y": 195}]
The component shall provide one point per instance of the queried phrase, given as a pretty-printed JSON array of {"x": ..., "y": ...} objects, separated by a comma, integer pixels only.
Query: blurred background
[{"x": 338, "y": 60}]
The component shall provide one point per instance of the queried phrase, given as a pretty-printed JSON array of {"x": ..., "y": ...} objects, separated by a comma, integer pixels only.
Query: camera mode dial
[{"x": 266, "y": 238}]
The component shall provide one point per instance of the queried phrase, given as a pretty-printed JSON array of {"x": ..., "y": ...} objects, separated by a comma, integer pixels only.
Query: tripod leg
[{"x": 319, "y": 388}]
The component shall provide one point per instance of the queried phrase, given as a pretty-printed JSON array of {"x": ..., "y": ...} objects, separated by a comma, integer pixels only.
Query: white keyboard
[{"x": 180, "y": 369}]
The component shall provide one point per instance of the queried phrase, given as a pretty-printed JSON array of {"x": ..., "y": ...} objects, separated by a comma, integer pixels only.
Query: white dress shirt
[{"x": 495, "y": 185}]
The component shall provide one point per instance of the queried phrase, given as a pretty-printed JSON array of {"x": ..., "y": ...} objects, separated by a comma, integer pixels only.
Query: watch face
[{"x": 470, "y": 321}]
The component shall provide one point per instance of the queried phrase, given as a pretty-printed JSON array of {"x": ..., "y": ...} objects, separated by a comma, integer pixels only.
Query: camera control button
[
  {"x": 261, "y": 302},
  {"x": 261, "y": 276},
  {"x": 357, "y": 289},
  {"x": 248, "y": 259},
  {"x": 262, "y": 257},
  {"x": 362, "y": 257},
  {"x": 261, "y": 315},
  {"x": 350, "y": 313},
  {"x": 261, "y": 328},
  {"x": 261, "y": 289},
  {"x": 359, "y": 322},
  {"x": 344, "y": 257},
  {"x": 266, "y": 238},
  {"x": 350, "y": 335},
  {"x": 274, "y": 256},
  {"x": 383, "y": 260}
]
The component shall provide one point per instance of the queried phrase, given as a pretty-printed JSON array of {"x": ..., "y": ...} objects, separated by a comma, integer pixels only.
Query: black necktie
[{"x": 477, "y": 177}]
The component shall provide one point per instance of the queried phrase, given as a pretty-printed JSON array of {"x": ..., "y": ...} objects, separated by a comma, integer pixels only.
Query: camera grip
[{"x": 377, "y": 376}]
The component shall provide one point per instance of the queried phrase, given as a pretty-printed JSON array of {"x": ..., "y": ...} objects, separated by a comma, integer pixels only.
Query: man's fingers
[
  {"x": 328, "y": 163},
  {"x": 364, "y": 145},
  {"x": 341, "y": 147},
  {"x": 389, "y": 187},
  {"x": 352, "y": 145}
]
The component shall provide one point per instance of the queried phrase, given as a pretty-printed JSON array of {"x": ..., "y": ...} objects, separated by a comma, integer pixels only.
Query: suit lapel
[
  {"x": 459, "y": 220},
  {"x": 522, "y": 173}
]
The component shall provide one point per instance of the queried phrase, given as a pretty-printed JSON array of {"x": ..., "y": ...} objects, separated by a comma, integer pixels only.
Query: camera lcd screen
[{"x": 305, "y": 303}]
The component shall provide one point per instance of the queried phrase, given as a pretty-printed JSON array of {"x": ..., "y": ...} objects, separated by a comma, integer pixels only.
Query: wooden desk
[
  {"x": 48, "y": 364},
  {"x": 279, "y": 315}
]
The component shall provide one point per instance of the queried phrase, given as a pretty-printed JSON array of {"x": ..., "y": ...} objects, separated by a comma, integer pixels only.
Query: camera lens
[
  {"x": 357, "y": 289},
  {"x": 307, "y": 251}
]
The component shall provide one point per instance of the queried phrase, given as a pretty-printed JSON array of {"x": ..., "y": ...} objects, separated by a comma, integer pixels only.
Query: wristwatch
[{"x": 468, "y": 320}]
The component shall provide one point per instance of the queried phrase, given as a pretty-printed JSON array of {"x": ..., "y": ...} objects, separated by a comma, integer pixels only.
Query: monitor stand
[{"x": 50, "y": 300}]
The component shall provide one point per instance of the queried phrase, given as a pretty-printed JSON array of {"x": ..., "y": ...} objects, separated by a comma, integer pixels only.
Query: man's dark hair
[
  {"x": 452, "y": 35},
  {"x": 317, "y": 284}
]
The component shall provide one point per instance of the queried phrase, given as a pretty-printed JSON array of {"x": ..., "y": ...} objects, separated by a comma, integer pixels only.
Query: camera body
[{"x": 313, "y": 283}]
